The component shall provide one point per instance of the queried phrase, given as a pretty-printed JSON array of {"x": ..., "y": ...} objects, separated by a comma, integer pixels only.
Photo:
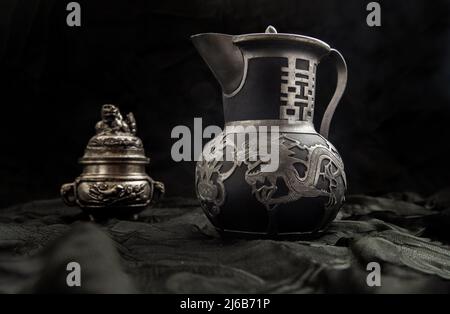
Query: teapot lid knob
[{"x": 271, "y": 30}]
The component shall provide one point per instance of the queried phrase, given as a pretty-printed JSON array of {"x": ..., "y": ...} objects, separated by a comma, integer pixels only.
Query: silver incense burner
[{"x": 113, "y": 181}]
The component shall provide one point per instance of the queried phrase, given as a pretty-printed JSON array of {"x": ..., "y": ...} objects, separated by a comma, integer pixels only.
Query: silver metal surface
[
  {"x": 114, "y": 165},
  {"x": 283, "y": 126},
  {"x": 272, "y": 34},
  {"x": 341, "y": 68}
]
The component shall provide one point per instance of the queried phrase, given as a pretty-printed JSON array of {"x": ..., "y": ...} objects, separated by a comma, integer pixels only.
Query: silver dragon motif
[
  {"x": 320, "y": 164},
  {"x": 210, "y": 175}
]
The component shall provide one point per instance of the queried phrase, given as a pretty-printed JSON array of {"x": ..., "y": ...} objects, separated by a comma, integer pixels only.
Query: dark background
[{"x": 392, "y": 126}]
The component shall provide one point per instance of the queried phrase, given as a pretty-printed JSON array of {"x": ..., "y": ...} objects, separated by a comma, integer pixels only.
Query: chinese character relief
[{"x": 297, "y": 90}]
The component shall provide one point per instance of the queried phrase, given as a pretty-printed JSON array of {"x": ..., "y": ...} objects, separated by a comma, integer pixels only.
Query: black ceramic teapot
[{"x": 268, "y": 82}]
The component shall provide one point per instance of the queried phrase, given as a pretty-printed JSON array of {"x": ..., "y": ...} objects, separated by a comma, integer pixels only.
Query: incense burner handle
[{"x": 68, "y": 194}]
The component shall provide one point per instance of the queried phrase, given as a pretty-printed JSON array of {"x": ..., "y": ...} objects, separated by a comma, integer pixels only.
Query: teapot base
[{"x": 305, "y": 236}]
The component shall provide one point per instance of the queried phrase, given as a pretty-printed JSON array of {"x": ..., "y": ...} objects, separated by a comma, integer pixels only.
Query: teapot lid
[
  {"x": 116, "y": 139},
  {"x": 271, "y": 34}
]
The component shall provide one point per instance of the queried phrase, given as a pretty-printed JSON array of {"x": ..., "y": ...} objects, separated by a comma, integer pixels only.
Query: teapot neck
[{"x": 274, "y": 87}]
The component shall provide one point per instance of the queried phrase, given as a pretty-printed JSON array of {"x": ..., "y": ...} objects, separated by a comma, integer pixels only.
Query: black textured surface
[{"x": 173, "y": 249}]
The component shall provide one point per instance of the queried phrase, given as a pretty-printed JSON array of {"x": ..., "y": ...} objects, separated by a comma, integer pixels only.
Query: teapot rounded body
[{"x": 302, "y": 196}]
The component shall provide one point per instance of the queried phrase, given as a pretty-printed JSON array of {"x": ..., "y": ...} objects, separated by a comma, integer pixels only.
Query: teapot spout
[{"x": 223, "y": 58}]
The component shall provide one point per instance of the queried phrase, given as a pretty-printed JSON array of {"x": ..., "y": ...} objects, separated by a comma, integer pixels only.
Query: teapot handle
[{"x": 341, "y": 68}]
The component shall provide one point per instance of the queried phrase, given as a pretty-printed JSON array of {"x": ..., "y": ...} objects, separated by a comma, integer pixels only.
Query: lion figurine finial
[{"x": 113, "y": 122}]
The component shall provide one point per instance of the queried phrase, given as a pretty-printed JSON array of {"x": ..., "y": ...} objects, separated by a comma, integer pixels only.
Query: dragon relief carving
[
  {"x": 311, "y": 172},
  {"x": 110, "y": 194},
  {"x": 210, "y": 175},
  {"x": 306, "y": 171}
]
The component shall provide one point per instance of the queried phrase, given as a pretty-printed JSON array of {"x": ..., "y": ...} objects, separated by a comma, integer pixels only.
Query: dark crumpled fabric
[{"x": 174, "y": 249}]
